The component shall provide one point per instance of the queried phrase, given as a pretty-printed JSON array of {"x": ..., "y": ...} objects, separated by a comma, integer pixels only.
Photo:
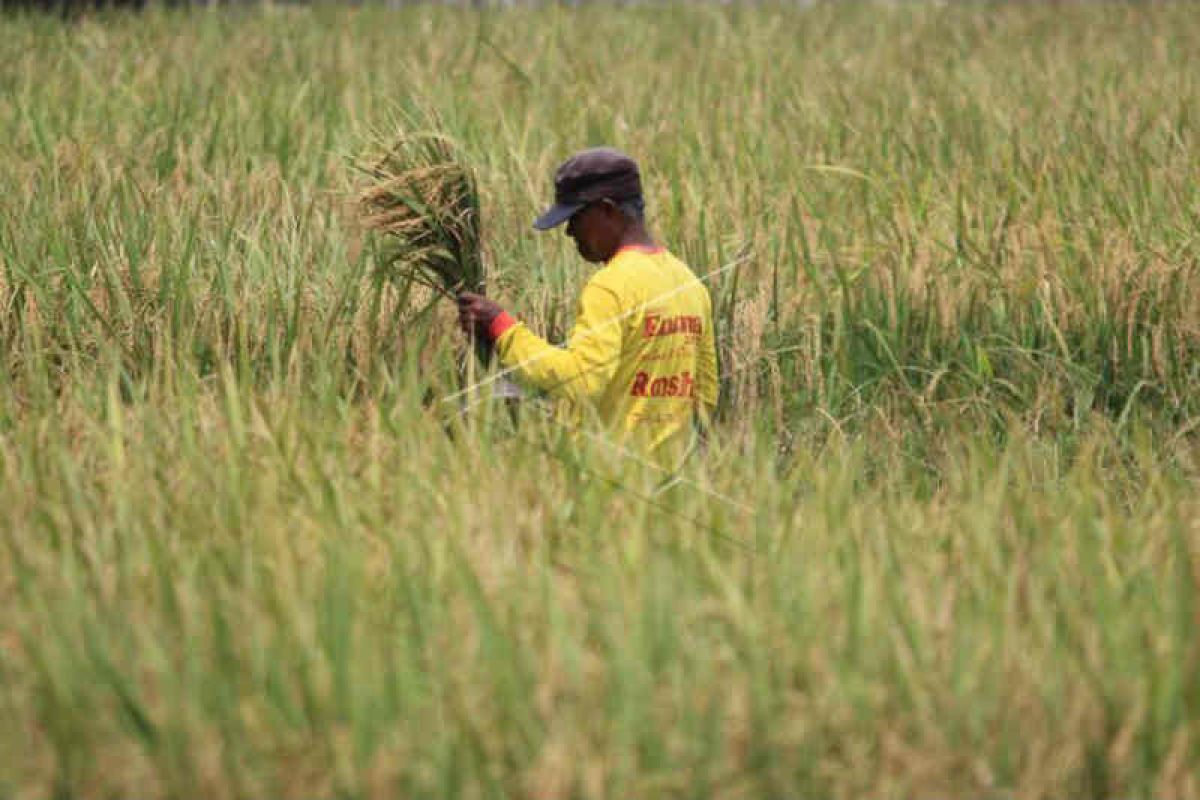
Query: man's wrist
[{"x": 499, "y": 324}]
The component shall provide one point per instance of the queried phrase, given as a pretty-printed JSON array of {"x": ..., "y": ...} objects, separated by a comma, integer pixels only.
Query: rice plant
[{"x": 423, "y": 199}]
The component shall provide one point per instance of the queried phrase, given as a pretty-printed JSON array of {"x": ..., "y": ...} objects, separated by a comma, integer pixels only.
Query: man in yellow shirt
[{"x": 641, "y": 356}]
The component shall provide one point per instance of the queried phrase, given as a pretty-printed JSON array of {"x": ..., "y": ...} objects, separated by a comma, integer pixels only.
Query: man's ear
[{"x": 610, "y": 209}]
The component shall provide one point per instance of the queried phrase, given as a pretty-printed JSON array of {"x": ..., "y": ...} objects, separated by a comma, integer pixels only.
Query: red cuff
[{"x": 502, "y": 322}]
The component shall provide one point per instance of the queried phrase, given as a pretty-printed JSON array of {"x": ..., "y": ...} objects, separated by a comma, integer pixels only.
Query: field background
[{"x": 946, "y": 541}]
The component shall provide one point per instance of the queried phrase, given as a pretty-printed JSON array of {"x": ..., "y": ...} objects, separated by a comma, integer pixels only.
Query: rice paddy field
[{"x": 945, "y": 541}]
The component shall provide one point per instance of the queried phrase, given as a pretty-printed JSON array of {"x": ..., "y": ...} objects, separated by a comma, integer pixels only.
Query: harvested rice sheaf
[{"x": 424, "y": 202}]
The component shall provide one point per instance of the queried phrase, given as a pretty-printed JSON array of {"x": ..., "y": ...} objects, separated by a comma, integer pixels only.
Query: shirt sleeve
[
  {"x": 581, "y": 370},
  {"x": 707, "y": 378}
]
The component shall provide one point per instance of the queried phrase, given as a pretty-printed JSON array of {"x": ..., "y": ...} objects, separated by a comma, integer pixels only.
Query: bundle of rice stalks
[{"x": 424, "y": 202}]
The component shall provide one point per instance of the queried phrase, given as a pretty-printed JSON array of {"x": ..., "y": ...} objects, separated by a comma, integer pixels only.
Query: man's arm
[{"x": 579, "y": 371}]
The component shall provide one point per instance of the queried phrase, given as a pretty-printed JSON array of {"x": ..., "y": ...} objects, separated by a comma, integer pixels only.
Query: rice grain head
[{"x": 424, "y": 202}]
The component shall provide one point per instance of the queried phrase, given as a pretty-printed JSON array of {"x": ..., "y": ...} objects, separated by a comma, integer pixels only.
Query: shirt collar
[{"x": 639, "y": 248}]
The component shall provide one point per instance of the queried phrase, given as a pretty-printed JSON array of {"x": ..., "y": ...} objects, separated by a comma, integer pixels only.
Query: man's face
[{"x": 596, "y": 229}]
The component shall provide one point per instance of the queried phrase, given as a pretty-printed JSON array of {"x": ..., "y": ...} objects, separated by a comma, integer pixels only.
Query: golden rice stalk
[{"x": 423, "y": 200}]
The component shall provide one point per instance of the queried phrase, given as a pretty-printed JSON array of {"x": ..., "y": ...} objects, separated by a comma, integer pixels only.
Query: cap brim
[{"x": 556, "y": 215}]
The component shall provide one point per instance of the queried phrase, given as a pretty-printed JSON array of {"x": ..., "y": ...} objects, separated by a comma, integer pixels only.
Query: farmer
[{"x": 641, "y": 357}]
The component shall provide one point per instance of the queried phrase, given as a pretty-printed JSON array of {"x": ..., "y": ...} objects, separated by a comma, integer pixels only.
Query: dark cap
[{"x": 599, "y": 173}]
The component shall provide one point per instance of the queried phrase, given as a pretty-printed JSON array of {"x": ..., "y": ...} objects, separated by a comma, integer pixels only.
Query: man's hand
[{"x": 476, "y": 314}]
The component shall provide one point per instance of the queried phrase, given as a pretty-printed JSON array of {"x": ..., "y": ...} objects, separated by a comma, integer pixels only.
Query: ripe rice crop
[
  {"x": 945, "y": 540},
  {"x": 425, "y": 202}
]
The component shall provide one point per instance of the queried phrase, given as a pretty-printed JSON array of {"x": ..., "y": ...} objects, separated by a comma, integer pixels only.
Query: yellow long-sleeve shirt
[{"x": 641, "y": 356}]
